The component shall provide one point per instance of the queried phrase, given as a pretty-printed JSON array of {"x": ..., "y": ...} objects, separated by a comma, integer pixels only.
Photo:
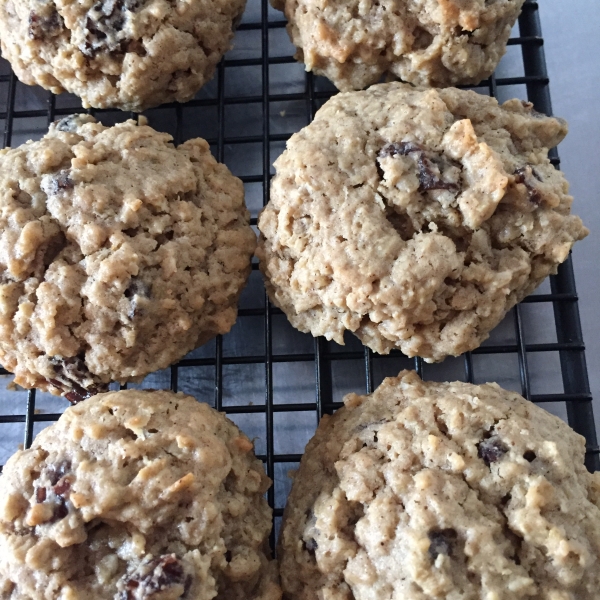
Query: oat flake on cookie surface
[
  {"x": 119, "y": 254},
  {"x": 127, "y": 54},
  {"x": 136, "y": 495},
  {"x": 442, "y": 491},
  {"x": 415, "y": 218},
  {"x": 424, "y": 42}
]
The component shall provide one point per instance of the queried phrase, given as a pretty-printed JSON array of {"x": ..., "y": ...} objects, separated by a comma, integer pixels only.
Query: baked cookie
[
  {"x": 432, "y": 43},
  {"x": 137, "y": 495},
  {"x": 119, "y": 253},
  {"x": 442, "y": 490},
  {"x": 415, "y": 218},
  {"x": 127, "y": 54}
]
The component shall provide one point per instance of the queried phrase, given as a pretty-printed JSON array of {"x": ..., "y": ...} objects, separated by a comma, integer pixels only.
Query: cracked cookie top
[
  {"x": 424, "y": 491},
  {"x": 415, "y": 218},
  {"x": 137, "y": 495},
  {"x": 127, "y": 54},
  {"x": 424, "y": 42},
  {"x": 119, "y": 253}
]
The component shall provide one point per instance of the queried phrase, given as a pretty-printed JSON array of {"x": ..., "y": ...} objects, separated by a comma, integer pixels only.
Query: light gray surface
[{"x": 572, "y": 33}]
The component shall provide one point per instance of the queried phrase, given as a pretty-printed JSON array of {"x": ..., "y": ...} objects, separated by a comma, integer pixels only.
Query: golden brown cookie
[
  {"x": 415, "y": 218},
  {"x": 426, "y": 491},
  {"x": 137, "y": 495},
  {"x": 127, "y": 54},
  {"x": 119, "y": 254},
  {"x": 424, "y": 42}
]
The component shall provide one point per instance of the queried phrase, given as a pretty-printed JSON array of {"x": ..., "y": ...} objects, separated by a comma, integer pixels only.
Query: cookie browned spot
[
  {"x": 427, "y": 490},
  {"x": 119, "y": 253},
  {"x": 415, "y": 218},
  {"x": 127, "y": 54},
  {"x": 434, "y": 43},
  {"x": 137, "y": 495}
]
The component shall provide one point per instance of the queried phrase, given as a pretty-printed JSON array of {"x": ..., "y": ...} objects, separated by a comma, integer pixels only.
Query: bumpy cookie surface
[
  {"x": 119, "y": 253},
  {"x": 425, "y": 42},
  {"x": 127, "y": 54},
  {"x": 427, "y": 491},
  {"x": 136, "y": 495},
  {"x": 415, "y": 218}
]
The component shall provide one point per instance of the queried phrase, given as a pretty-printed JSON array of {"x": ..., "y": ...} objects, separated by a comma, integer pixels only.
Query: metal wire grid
[{"x": 223, "y": 371}]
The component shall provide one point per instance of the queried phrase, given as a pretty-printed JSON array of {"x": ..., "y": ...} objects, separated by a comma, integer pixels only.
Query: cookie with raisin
[
  {"x": 127, "y": 54},
  {"x": 137, "y": 495},
  {"x": 119, "y": 254},
  {"x": 433, "y": 43},
  {"x": 427, "y": 490},
  {"x": 415, "y": 218}
]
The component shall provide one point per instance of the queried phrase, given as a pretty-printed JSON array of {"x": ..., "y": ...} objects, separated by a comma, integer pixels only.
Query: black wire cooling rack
[{"x": 273, "y": 381}]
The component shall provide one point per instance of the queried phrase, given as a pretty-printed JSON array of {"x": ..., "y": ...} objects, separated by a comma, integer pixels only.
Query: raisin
[
  {"x": 428, "y": 179},
  {"x": 72, "y": 395},
  {"x": 310, "y": 546},
  {"x": 44, "y": 26},
  {"x": 403, "y": 148},
  {"x": 60, "y": 511},
  {"x": 491, "y": 450},
  {"x": 77, "y": 396},
  {"x": 67, "y": 125},
  {"x": 137, "y": 287},
  {"x": 55, "y": 487},
  {"x": 155, "y": 576},
  {"x": 187, "y": 585},
  {"x": 526, "y": 176},
  {"x": 59, "y": 183},
  {"x": 62, "y": 487},
  {"x": 442, "y": 541},
  {"x": 57, "y": 471},
  {"x": 529, "y": 456},
  {"x": 104, "y": 24},
  {"x": 73, "y": 378},
  {"x": 137, "y": 292},
  {"x": 71, "y": 123},
  {"x": 74, "y": 366}
]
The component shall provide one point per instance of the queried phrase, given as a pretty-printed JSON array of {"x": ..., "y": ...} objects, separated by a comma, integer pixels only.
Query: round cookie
[
  {"x": 441, "y": 490},
  {"x": 119, "y": 254},
  {"x": 127, "y": 54},
  {"x": 415, "y": 218},
  {"x": 430, "y": 43},
  {"x": 137, "y": 495}
]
